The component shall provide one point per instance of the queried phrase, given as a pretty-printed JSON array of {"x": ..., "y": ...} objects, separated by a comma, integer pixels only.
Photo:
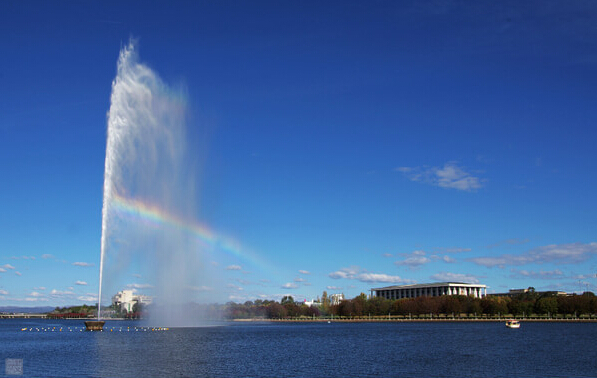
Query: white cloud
[
  {"x": 349, "y": 273},
  {"x": 18, "y": 273},
  {"x": 139, "y": 286},
  {"x": 454, "y": 250},
  {"x": 448, "y": 259},
  {"x": 387, "y": 255},
  {"x": 136, "y": 275},
  {"x": 2, "y": 270},
  {"x": 82, "y": 283},
  {"x": 355, "y": 273},
  {"x": 234, "y": 267},
  {"x": 333, "y": 288},
  {"x": 35, "y": 299},
  {"x": 304, "y": 272},
  {"x": 88, "y": 298},
  {"x": 413, "y": 261},
  {"x": 543, "y": 275},
  {"x": 289, "y": 285},
  {"x": 235, "y": 287},
  {"x": 583, "y": 276},
  {"x": 3, "y": 292},
  {"x": 572, "y": 253},
  {"x": 8, "y": 266},
  {"x": 513, "y": 241},
  {"x": 79, "y": 263},
  {"x": 379, "y": 277},
  {"x": 455, "y": 277},
  {"x": 35, "y": 294},
  {"x": 55, "y": 292},
  {"x": 47, "y": 256},
  {"x": 299, "y": 279},
  {"x": 450, "y": 176},
  {"x": 199, "y": 288},
  {"x": 39, "y": 288}
]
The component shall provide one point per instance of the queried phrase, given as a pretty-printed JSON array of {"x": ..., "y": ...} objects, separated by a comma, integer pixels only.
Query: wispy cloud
[
  {"x": 512, "y": 241},
  {"x": 299, "y": 279},
  {"x": 59, "y": 293},
  {"x": 199, "y": 288},
  {"x": 79, "y": 263},
  {"x": 452, "y": 250},
  {"x": 572, "y": 253},
  {"x": 89, "y": 297},
  {"x": 234, "y": 267},
  {"x": 47, "y": 256},
  {"x": 139, "y": 286},
  {"x": 450, "y": 176},
  {"x": 8, "y": 266},
  {"x": 380, "y": 277},
  {"x": 304, "y": 272},
  {"x": 355, "y": 273},
  {"x": 82, "y": 283},
  {"x": 542, "y": 274},
  {"x": 448, "y": 259},
  {"x": 455, "y": 277},
  {"x": 289, "y": 285},
  {"x": 413, "y": 259},
  {"x": 3, "y": 292},
  {"x": 18, "y": 273},
  {"x": 337, "y": 288},
  {"x": 235, "y": 287}
]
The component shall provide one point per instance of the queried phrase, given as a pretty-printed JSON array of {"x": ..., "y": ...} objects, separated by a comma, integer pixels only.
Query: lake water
[{"x": 302, "y": 350}]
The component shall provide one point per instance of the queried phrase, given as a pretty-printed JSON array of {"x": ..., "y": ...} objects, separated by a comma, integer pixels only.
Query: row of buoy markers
[{"x": 81, "y": 329}]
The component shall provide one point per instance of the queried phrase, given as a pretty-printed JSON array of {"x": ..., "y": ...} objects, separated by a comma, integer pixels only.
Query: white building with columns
[
  {"x": 430, "y": 290},
  {"x": 126, "y": 300}
]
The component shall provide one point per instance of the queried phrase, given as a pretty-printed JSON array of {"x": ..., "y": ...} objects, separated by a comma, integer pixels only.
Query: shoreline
[
  {"x": 338, "y": 320},
  {"x": 447, "y": 320}
]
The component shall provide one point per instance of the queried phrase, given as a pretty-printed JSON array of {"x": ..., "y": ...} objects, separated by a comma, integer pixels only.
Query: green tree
[
  {"x": 276, "y": 310},
  {"x": 452, "y": 304},
  {"x": 546, "y": 305},
  {"x": 325, "y": 302}
]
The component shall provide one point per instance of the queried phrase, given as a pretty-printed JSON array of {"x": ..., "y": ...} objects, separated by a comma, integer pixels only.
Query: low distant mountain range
[{"x": 26, "y": 310}]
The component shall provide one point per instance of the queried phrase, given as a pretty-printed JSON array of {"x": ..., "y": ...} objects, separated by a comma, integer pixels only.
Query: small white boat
[{"x": 511, "y": 323}]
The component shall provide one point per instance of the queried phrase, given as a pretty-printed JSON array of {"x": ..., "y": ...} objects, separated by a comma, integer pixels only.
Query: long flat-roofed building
[{"x": 430, "y": 290}]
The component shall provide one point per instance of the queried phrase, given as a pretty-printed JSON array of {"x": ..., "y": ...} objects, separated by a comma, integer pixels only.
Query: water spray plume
[{"x": 147, "y": 161}]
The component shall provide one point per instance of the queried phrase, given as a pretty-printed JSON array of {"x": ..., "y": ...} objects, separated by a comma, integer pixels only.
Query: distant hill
[{"x": 26, "y": 310}]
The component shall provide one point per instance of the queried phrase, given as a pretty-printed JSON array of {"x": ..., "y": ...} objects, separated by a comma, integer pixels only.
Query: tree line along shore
[
  {"x": 527, "y": 305},
  {"x": 530, "y": 305}
]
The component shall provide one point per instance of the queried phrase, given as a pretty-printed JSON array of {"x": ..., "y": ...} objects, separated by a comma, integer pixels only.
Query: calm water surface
[{"x": 304, "y": 350}]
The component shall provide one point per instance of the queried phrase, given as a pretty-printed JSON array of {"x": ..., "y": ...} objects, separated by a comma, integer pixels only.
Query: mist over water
[{"x": 148, "y": 180}]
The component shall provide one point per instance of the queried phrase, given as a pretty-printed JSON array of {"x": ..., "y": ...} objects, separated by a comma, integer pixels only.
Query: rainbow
[{"x": 156, "y": 216}]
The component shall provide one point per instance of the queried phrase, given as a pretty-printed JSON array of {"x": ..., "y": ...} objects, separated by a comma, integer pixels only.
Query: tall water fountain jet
[{"x": 149, "y": 190}]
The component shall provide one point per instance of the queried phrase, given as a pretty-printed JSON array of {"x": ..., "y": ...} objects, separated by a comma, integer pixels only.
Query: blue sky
[{"x": 342, "y": 145}]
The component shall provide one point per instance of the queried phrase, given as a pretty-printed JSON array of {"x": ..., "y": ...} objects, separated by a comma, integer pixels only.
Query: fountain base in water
[{"x": 94, "y": 325}]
